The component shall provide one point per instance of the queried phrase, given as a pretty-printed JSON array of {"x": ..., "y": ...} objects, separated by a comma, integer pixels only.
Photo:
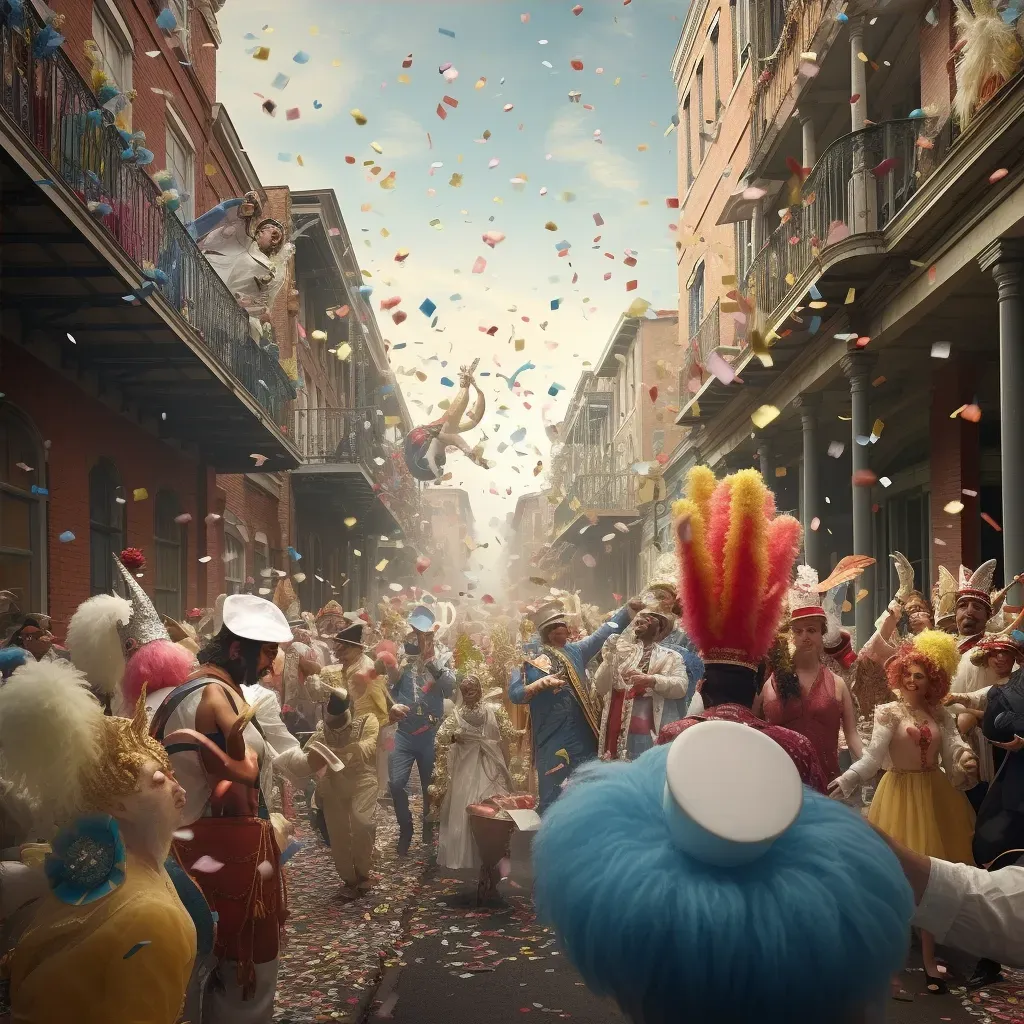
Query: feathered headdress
[
  {"x": 944, "y": 599},
  {"x": 976, "y": 585},
  {"x": 46, "y": 707},
  {"x": 94, "y": 640},
  {"x": 736, "y": 557},
  {"x": 804, "y": 599}
]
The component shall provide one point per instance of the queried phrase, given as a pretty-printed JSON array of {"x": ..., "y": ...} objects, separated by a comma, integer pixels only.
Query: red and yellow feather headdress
[{"x": 736, "y": 556}]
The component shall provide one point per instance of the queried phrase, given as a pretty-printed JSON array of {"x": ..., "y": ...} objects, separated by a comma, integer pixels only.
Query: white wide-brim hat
[{"x": 254, "y": 618}]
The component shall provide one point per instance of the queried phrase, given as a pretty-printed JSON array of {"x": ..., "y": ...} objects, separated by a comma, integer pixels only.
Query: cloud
[
  {"x": 401, "y": 136},
  {"x": 567, "y": 142}
]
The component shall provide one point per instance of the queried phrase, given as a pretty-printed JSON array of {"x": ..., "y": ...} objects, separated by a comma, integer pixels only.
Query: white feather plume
[
  {"x": 832, "y": 602},
  {"x": 990, "y": 51},
  {"x": 50, "y": 729},
  {"x": 94, "y": 643}
]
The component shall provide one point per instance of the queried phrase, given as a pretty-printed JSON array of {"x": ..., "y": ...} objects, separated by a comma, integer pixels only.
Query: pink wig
[{"x": 157, "y": 665}]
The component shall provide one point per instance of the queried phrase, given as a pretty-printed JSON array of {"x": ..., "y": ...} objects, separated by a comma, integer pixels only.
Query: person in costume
[
  {"x": 248, "y": 252},
  {"x": 908, "y": 605},
  {"x": 425, "y": 446},
  {"x": 916, "y": 803},
  {"x": 999, "y": 830},
  {"x": 348, "y": 794},
  {"x": 637, "y": 677},
  {"x": 418, "y": 685},
  {"x": 111, "y": 939},
  {"x": 33, "y": 636},
  {"x": 811, "y": 699},
  {"x": 735, "y": 626},
  {"x": 564, "y": 723},
  {"x": 702, "y": 882},
  {"x": 663, "y": 588},
  {"x": 221, "y": 756},
  {"x": 471, "y": 765},
  {"x": 123, "y": 647},
  {"x": 356, "y": 673}
]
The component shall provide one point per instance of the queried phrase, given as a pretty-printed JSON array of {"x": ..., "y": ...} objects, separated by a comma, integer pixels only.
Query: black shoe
[
  {"x": 404, "y": 841},
  {"x": 987, "y": 972}
]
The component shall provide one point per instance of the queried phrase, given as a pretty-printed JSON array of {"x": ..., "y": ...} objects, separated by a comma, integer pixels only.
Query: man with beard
[{"x": 222, "y": 758}]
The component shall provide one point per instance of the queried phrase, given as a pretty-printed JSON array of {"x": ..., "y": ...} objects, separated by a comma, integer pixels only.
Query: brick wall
[
  {"x": 718, "y": 176},
  {"x": 259, "y": 512},
  {"x": 81, "y": 430},
  {"x": 935, "y": 42},
  {"x": 955, "y": 467},
  {"x": 192, "y": 89},
  {"x": 659, "y": 368}
]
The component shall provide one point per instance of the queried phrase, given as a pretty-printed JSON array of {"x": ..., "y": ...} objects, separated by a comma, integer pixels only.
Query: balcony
[
  {"x": 708, "y": 339},
  {"x": 183, "y": 356},
  {"x": 862, "y": 181},
  {"x": 594, "y": 497},
  {"x": 349, "y": 462}
]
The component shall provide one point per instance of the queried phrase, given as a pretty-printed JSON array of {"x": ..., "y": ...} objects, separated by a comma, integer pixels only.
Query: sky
[{"x": 612, "y": 163}]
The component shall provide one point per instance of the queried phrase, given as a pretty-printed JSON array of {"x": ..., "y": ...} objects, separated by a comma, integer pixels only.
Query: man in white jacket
[{"x": 636, "y": 677}]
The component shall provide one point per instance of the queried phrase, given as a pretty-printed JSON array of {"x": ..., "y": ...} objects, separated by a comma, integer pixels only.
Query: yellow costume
[
  {"x": 349, "y": 797},
  {"x": 70, "y": 966},
  {"x": 370, "y": 701}
]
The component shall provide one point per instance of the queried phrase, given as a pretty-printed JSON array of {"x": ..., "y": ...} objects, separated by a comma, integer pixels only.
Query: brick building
[
  {"x": 137, "y": 422},
  {"x": 886, "y": 283}
]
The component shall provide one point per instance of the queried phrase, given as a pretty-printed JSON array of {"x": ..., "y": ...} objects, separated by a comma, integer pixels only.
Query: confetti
[
  {"x": 66, "y": 537},
  {"x": 479, "y": 265},
  {"x": 764, "y": 415},
  {"x": 258, "y": 459},
  {"x": 206, "y": 865},
  {"x": 140, "y": 494},
  {"x": 447, "y": 32},
  {"x": 864, "y": 478},
  {"x": 427, "y": 308},
  {"x": 940, "y": 349},
  {"x": 953, "y": 508},
  {"x": 991, "y": 522},
  {"x": 997, "y": 175},
  {"x": 138, "y": 946},
  {"x": 815, "y": 523},
  {"x": 836, "y": 449}
]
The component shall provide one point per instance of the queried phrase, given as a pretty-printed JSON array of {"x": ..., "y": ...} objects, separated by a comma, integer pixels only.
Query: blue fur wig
[
  {"x": 810, "y": 932},
  {"x": 10, "y": 659}
]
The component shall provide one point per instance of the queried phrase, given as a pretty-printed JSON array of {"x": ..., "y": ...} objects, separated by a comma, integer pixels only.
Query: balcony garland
[{"x": 786, "y": 38}]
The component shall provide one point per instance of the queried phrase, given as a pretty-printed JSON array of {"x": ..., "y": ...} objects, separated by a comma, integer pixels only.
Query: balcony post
[
  {"x": 858, "y": 74},
  {"x": 765, "y": 463},
  {"x": 810, "y": 500},
  {"x": 1005, "y": 259},
  {"x": 856, "y": 366},
  {"x": 810, "y": 152}
]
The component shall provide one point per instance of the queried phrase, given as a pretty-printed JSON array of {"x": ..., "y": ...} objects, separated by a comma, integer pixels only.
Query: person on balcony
[
  {"x": 425, "y": 446},
  {"x": 248, "y": 252}
]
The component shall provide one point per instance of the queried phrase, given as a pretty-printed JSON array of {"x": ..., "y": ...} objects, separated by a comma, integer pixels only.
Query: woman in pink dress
[{"x": 808, "y": 697}]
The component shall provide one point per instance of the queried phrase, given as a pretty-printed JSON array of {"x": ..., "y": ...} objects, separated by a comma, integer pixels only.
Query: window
[
  {"x": 22, "y": 544},
  {"x": 106, "y": 526},
  {"x": 260, "y": 559},
  {"x": 714, "y": 71},
  {"x": 170, "y": 539},
  {"x": 234, "y": 561},
  {"x": 696, "y": 293},
  {"x": 180, "y": 10},
  {"x": 701, "y": 126},
  {"x": 114, "y": 42},
  {"x": 688, "y": 128},
  {"x": 744, "y": 250},
  {"x": 739, "y": 14},
  {"x": 181, "y": 162}
]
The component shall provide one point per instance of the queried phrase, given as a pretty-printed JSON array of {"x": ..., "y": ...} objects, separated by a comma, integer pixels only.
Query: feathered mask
[{"x": 736, "y": 557}]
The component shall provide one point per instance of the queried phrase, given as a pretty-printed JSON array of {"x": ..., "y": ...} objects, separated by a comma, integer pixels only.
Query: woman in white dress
[{"x": 471, "y": 765}]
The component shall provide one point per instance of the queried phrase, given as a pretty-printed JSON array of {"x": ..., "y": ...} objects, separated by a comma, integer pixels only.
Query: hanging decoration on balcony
[
  {"x": 425, "y": 446},
  {"x": 48, "y": 39},
  {"x": 114, "y": 102},
  {"x": 988, "y": 56}
]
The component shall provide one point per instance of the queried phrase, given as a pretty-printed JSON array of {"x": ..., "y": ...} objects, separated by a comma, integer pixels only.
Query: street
[{"x": 418, "y": 951}]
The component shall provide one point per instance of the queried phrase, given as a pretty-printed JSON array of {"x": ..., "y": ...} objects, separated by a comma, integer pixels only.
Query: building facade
[
  {"x": 882, "y": 310},
  {"x": 607, "y": 472},
  {"x": 138, "y": 410},
  {"x": 528, "y": 537}
]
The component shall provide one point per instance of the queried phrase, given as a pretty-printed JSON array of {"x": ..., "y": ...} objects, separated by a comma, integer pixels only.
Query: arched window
[
  {"x": 106, "y": 526},
  {"x": 22, "y": 514},
  {"x": 170, "y": 539},
  {"x": 234, "y": 560}
]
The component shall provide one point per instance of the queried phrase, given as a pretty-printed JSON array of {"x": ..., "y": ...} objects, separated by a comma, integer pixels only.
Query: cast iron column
[
  {"x": 765, "y": 463},
  {"x": 810, "y": 501},
  {"x": 1005, "y": 258},
  {"x": 857, "y": 369}
]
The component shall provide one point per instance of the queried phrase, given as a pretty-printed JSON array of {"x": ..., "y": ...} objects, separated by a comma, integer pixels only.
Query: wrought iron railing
[
  {"x": 596, "y": 492},
  {"x": 778, "y": 48},
  {"x": 342, "y": 436},
  {"x": 53, "y": 107},
  {"x": 858, "y": 185},
  {"x": 707, "y": 340}
]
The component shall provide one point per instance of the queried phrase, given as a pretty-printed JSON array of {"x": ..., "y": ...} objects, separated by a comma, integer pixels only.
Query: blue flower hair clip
[{"x": 88, "y": 860}]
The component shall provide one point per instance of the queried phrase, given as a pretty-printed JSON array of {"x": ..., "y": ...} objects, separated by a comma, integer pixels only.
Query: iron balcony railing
[
  {"x": 596, "y": 492},
  {"x": 342, "y": 436},
  {"x": 782, "y": 33},
  {"x": 53, "y": 107},
  {"x": 858, "y": 185}
]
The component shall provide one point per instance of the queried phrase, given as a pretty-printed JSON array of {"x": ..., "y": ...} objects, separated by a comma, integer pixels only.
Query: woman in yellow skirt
[{"x": 919, "y": 801}]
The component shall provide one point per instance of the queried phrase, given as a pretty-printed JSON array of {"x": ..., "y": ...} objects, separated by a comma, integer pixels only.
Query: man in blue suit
[
  {"x": 418, "y": 686},
  {"x": 563, "y": 722}
]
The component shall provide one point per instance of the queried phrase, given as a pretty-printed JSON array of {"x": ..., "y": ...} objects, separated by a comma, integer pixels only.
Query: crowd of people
[{"x": 713, "y": 758}]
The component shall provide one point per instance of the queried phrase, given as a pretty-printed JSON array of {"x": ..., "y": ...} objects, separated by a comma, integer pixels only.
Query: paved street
[{"x": 418, "y": 951}]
